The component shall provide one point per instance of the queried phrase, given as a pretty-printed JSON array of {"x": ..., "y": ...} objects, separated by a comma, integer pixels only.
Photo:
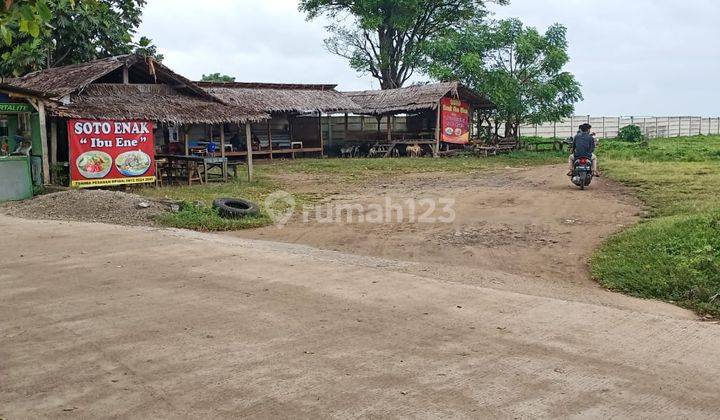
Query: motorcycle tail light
[{"x": 583, "y": 161}]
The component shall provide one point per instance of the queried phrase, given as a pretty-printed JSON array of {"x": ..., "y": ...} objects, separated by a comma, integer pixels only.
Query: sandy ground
[
  {"x": 102, "y": 321},
  {"x": 527, "y": 222}
]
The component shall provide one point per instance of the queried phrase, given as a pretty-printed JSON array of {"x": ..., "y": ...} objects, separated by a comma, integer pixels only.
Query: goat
[
  {"x": 347, "y": 152},
  {"x": 414, "y": 151}
]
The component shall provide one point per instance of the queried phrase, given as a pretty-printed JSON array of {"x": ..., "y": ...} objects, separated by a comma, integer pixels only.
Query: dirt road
[
  {"x": 104, "y": 321},
  {"x": 529, "y": 222}
]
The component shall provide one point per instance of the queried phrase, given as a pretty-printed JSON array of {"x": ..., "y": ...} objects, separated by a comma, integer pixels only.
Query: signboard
[
  {"x": 16, "y": 107},
  {"x": 455, "y": 121},
  {"x": 106, "y": 152}
]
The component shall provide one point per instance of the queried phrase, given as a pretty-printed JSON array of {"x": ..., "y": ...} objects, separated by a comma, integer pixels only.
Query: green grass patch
[
  {"x": 674, "y": 254},
  {"x": 193, "y": 216},
  {"x": 196, "y": 211}
]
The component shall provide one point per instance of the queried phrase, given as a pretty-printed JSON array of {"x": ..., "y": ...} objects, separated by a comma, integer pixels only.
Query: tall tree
[
  {"x": 76, "y": 31},
  {"x": 217, "y": 77},
  {"x": 517, "y": 66},
  {"x": 386, "y": 38}
]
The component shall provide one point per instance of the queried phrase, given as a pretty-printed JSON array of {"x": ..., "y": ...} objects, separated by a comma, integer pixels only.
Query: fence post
[
  {"x": 603, "y": 127},
  {"x": 554, "y": 129}
]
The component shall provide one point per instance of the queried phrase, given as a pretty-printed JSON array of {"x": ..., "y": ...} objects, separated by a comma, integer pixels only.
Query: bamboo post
[
  {"x": 53, "y": 141},
  {"x": 222, "y": 152},
  {"x": 389, "y": 128},
  {"x": 248, "y": 145}
]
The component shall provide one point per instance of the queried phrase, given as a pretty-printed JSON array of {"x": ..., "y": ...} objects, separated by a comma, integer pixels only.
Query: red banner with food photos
[
  {"x": 455, "y": 121},
  {"x": 107, "y": 152}
]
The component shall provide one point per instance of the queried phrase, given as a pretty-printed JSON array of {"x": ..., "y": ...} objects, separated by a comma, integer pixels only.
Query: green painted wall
[
  {"x": 35, "y": 134},
  {"x": 12, "y": 130}
]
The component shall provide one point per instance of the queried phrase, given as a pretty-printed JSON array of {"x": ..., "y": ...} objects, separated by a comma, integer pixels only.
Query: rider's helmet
[{"x": 585, "y": 127}]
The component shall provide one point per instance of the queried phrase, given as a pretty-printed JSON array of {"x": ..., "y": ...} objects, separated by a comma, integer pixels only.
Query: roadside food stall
[
  {"x": 125, "y": 120},
  {"x": 22, "y": 156},
  {"x": 437, "y": 116},
  {"x": 295, "y": 124}
]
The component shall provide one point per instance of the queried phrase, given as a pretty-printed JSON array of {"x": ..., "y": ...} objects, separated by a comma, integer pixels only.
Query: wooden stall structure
[
  {"x": 295, "y": 127},
  {"x": 421, "y": 106},
  {"x": 135, "y": 87},
  {"x": 23, "y": 146}
]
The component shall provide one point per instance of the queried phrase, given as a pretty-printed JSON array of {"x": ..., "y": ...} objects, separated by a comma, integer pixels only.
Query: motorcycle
[{"x": 582, "y": 172}]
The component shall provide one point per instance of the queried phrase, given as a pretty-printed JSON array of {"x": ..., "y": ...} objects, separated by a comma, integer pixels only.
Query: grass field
[{"x": 674, "y": 254}]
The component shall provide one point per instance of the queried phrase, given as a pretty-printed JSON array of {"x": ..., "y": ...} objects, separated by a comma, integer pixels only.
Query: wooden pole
[
  {"x": 330, "y": 130},
  {"x": 269, "y": 134},
  {"x": 248, "y": 143},
  {"x": 53, "y": 141},
  {"x": 185, "y": 140},
  {"x": 43, "y": 139},
  {"x": 437, "y": 129},
  {"x": 378, "y": 118},
  {"x": 322, "y": 141},
  {"x": 222, "y": 152},
  {"x": 345, "y": 130},
  {"x": 389, "y": 128},
  {"x": 126, "y": 75}
]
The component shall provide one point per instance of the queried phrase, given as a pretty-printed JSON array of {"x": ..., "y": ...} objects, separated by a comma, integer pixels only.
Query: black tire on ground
[
  {"x": 235, "y": 208},
  {"x": 583, "y": 177}
]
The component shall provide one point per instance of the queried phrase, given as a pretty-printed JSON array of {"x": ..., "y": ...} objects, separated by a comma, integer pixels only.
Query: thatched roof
[
  {"x": 153, "y": 102},
  {"x": 281, "y": 98},
  {"x": 157, "y": 93},
  {"x": 414, "y": 98},
  {"x": 61, "y": 81}
]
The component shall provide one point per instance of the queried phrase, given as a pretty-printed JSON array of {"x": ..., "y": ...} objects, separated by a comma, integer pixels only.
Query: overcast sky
[{"x": 633, "y": 57}]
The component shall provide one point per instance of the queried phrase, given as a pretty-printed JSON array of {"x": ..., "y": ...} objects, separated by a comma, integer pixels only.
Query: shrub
[{"x": 631, "y": 133}]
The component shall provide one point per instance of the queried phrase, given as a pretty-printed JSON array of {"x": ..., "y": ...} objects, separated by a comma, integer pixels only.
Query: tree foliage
[
  {"x": 146, "y": 48},
  {"x": 23, "y": 18},
  {"x": 69, "y": 32},
  {"x": 631, "y": 133},
  {"x": 517, "y": 66},
  {"x": 217, "y": 77},
  {"x": 387, "y": 38}
]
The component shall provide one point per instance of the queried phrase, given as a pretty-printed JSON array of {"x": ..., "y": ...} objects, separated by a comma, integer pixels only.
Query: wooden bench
[
  {"x": 503, "y": 145},
  {"x": 555, "y": 145}
]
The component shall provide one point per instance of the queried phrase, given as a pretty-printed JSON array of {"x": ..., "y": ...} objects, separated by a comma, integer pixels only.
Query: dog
[{"x": 414, "y": 151}]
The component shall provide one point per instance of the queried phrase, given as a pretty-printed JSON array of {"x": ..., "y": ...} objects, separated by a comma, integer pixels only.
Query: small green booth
[{"x": 21, "y": 146}]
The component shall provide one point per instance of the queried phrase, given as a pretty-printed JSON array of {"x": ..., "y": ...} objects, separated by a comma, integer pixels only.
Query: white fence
[{"x": 608, "y": 127}]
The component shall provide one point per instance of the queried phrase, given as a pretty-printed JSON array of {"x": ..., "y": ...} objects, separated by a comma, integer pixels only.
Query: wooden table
[{"x": 191, "y": 165}]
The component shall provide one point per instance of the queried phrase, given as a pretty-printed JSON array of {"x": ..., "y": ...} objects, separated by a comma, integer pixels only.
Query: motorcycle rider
[{"x": 584, "y": 146}]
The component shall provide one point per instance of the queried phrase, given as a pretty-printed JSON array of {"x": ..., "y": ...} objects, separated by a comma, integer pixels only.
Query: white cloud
[{"x": 632, "y": 57}]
